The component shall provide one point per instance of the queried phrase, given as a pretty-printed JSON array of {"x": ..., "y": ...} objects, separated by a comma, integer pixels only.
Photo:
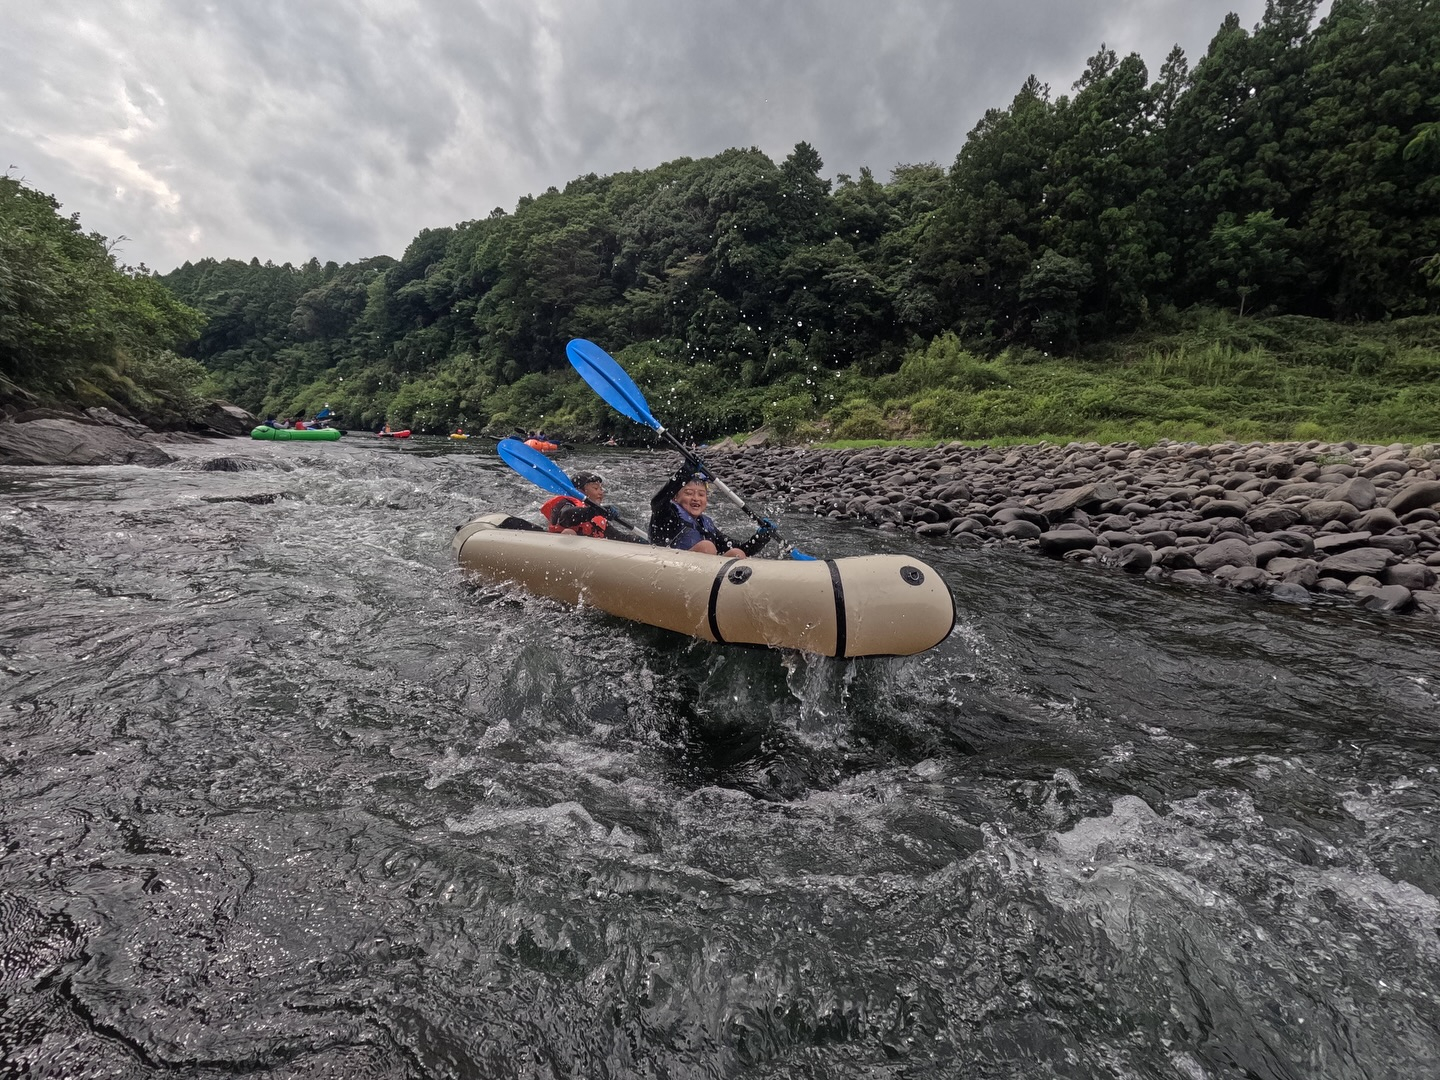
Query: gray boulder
[
  {"x": 1272, "y": 518},
  {"x": 1334, "y": 543},
  {"x": 1302, "y": 572},
  {"x": 102, "y": 415},
  {"x": 1358, "y": 491},
  {"x": 1385, "y": 465},
  {"x": 1414, "y": 576},
  {"x": 1132, "y": 558},
  {"x": 227, "y": 419},
  {"x": 1289, "y": 593},
  {"x": 1226, "y": 553},
  {"x": 1020, "y": 513},
  {"x": 1320, "y": 511},
  {"x": 1267, "y": 550},
  {"x": 1020, "y": 530},
  {"x": 1387, "y": 598},
  {"x": 1379, "y": 520},
  {"x": 1244, "y": 578},
  {"x": 1061, "y": 542},
  {"x": 1414, "y": 496},
  {"x": 1174, "y": 558},
  {"x": 1077, "y": 498},
  {"x": 1159, "y": 538},
  {"x": 69, "y": 442},
  {"x": 1399, "y": 543},
  {"x": 1189, "y": 577},
  {"x": 1221, "y": 508},
  {"x": 1350, "y": 564}
]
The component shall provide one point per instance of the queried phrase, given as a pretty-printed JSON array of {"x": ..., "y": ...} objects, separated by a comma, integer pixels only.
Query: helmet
[{"x": 580, "y": 479}]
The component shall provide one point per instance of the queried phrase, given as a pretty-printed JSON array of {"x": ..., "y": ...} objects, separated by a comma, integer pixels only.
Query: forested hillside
[
  {"x": 1293, "y": 172},
  {"x": 77, "y": 328}
]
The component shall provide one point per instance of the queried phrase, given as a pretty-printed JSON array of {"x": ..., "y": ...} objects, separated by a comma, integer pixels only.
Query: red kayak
[
  {"x": 541, "y": 445},
  {"x": 393, "y": 434}
]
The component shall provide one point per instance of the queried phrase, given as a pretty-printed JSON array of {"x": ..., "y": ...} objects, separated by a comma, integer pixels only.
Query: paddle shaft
[{"x": 608, "y": 379}]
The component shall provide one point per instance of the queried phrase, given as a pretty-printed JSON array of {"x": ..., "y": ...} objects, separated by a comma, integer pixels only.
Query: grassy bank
[
  {"x": 1205, "y": 376},
  {"x": 1215, "y": 378}
]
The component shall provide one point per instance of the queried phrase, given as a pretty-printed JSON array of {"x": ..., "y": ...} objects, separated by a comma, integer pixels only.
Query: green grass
[
  {"x": 1216, "y": 379},
  {"x": 1206, "y": 376}
]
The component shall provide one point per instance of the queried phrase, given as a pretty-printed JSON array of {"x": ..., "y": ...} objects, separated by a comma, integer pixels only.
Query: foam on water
[{"x": 282, "y": 794}]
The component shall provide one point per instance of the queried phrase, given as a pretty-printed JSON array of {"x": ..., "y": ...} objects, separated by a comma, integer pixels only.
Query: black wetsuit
[
  {"x": 568, "y": 516},
  {"x": 671, "y": 526}
]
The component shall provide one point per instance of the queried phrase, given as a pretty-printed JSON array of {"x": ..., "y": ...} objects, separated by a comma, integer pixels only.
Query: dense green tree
[
  {"x": 1105, "y": 195},
  {"x": 77, "y": 326},
  {"x": 1291, "y": 169},
  {"x": 985, "y": 238},
  {"x": 1252, "y": 255},
  {"x": 1374, "y": 79},
  {"x": 1052, "y": 296}
]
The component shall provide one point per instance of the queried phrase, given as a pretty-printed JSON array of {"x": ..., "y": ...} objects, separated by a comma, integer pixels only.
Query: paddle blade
[
  {"x": 608, "y": 379},
  {"x": 536, "y": 467}
]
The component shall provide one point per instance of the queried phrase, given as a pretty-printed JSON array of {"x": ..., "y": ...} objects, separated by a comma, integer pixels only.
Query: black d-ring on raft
[{"x": 912, "y": 575}]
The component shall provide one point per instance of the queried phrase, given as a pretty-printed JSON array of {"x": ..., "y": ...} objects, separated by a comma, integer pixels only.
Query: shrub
[
  {"x": 784, "y": 416},
  {"x": 943, "y": 413},
  {"x": 862, "y": 420},
  {"x": 945, "y": 363}
]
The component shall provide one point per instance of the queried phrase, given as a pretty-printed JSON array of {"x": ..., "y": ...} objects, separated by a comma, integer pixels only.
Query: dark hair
[{"x": 580, "y": 479}]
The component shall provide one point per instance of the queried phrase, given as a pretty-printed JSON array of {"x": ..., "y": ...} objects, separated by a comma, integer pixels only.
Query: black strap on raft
[
  {"x": 839, "y": 591},
  {"x": 715, "y": 597},
  {"x": 521, "y": 524}
]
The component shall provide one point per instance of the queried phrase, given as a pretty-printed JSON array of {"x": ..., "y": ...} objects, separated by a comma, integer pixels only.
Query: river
[{"x": 282, "y": 795}]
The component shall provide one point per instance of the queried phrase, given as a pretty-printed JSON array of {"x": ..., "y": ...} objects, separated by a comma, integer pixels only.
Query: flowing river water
[{"x": 282, "y": 795}]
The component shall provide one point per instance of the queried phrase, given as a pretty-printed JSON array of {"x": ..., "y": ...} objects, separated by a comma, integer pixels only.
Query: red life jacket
[{"x": 595, "y": 527}]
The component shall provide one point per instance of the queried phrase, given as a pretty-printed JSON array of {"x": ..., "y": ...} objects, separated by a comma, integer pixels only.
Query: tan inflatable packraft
[{"x": 868, "y": 605}]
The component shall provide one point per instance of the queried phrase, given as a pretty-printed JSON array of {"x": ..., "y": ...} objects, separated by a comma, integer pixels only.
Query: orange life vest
[{"x": 595, "y": 527}]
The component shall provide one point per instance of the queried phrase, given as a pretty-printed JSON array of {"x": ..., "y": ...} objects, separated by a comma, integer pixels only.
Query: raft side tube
[
  {"x": 868, "y": 605},
  {"x": 271, "y": 434}
]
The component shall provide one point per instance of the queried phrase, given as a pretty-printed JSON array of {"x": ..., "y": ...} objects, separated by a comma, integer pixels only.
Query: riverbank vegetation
[
  {"x": 1244, "y": 248},
  {"x": 79, "y": 328}
]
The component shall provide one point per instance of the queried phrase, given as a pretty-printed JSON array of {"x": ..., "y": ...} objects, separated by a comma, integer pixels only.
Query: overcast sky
[{"x": 289, "y": 128}]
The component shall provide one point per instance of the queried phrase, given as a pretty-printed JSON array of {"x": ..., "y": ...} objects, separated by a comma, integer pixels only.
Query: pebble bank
[{"x": 1292, "y": 521}]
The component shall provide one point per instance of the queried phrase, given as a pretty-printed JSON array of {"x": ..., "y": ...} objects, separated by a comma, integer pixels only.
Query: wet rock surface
[
  {"x": 98, "y": 436},
  {"x": 1290, "y": 520},
  {"x": 74, "y": 442}
]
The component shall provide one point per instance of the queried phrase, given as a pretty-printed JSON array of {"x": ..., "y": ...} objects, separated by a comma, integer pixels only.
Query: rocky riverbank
[
  {"x": 1289, "y": 520},
  {"x": 98, "y": 436}
]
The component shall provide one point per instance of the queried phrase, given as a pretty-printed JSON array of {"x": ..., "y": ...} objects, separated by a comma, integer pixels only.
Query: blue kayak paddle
[
  {"x": 544, "y": 473},
  {"x": 608, "y": 379}
]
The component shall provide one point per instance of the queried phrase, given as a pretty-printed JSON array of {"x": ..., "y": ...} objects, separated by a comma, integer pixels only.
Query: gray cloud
[{"x": 286, "y": 130}]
